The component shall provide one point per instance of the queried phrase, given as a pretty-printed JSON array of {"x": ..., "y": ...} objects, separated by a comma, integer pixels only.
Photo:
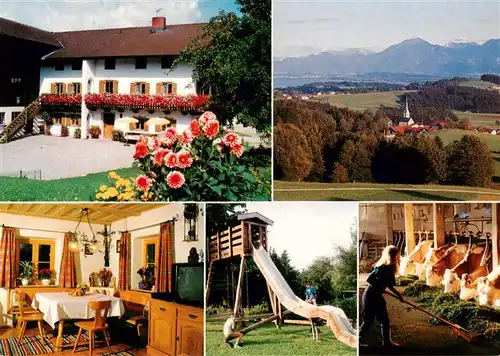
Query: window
[
  {"x": 141, "y": 125},
  {"x": 166, "y": 62},
  {"x": 58, "y": 88},
  {"x": 149, "y": 252},
  {"x": 76, "y": 64},
  {"x": 59, "y": 66},
  {"x": 110, "y": 63},
  {"x": 141, "y": 63},
  {"x": 76, "y": 88},
  {"x": 167, "y": 88},
  {"x": 2, "y": 117},
  {"x": 40, "y": 252},
  {"x": 110, "y": 86},
  {"x": 140, "y": 88}
]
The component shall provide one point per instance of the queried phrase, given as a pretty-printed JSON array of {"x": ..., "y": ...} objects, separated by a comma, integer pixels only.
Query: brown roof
[
  {"x": 15, "y": 29},
  {"x": 121, "y": 42}
]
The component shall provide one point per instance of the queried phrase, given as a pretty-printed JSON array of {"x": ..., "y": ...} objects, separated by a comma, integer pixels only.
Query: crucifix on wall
[{"x": 106, "y": 234}]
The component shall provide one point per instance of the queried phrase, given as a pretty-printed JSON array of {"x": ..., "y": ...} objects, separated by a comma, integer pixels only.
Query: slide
[{"x": 335, "y": 317}]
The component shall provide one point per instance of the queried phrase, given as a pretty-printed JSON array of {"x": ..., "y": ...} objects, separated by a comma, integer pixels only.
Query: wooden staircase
[{"x": 20, "y": 121}]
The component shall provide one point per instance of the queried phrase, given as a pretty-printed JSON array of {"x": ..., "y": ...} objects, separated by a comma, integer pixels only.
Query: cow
[
  {"x": 472, "y": 261},
  {"x": 468, "y": 282},
  {"x": 488, "y": 288},
  {"x": 434, "y": 272},
  {"x": 409, "y": 264}
]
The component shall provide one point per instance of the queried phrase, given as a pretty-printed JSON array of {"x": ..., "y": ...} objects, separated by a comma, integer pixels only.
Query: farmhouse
[{"x": 113, "y": 79}]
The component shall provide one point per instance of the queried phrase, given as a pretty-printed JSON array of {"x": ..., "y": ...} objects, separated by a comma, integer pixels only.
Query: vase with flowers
[
  {"x": 45, "y": 275},
  {"x": 105, "y": 276},
  {"x": 147, "y": 278}
]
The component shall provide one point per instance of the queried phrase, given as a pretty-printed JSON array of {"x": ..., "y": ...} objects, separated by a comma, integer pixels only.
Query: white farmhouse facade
[{"x": 119, "y": 79}]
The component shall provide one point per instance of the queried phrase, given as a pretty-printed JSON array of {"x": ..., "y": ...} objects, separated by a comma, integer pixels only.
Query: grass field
[
  {"x": 268, "y": 340},
  {"x": 477, "y": 84},
  {"x": 296, "y": 191},
  {"x": 487, "y": 120},
  {"x": 70, "y": 189},
  {"x": 364, "y": 101}
]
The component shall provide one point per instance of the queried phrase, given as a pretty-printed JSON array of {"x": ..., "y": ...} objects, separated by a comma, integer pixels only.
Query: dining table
[{"x": 61, "y": 307}]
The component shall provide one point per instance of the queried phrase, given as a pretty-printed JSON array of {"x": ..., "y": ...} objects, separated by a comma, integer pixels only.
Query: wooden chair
[
  {"x": 27, "y": 316},
  {"x": 101, "y": 309}
]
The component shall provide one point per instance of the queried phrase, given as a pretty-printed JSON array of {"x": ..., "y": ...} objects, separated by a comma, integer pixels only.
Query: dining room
[{"x": 101, "y": 279}]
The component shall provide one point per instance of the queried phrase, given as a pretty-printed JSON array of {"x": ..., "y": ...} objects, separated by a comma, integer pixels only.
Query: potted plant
[
  {"x": 105, "y": 277},
  {"x": 95, "y": 131},
  {"x": 147, "y": 278},
  {"x": 25, "y": 272},
  {"x": 45, "y": 275}
]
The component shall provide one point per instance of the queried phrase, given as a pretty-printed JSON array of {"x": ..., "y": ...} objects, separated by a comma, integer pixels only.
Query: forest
[
  {"x": 331, "y": 275},
  {"x": 493, "y": 78},
  {"x": 321, "y": 143}
]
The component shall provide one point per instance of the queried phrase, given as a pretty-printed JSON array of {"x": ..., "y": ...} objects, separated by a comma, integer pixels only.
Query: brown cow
[
  {"x": 488, "y": 288},
  {"x": 469, "y": 264},
  {"x": 434, "y": 272}
]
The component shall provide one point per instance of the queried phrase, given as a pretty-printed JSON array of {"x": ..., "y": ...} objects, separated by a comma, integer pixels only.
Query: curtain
[
  {"x": 9, "y": 259},
  {"x": 67, "y": 274},
  {"x": 163, "y": 272},
  {"x": 124, "y": 269}
]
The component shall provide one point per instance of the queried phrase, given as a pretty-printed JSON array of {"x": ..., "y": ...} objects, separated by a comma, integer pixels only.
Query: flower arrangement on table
[
  {"x": 79, "y": 291},
  {"x": 105, "y": 276},
  {"x": 147, "y": 278},
  {"x": 202, "y": 164}
]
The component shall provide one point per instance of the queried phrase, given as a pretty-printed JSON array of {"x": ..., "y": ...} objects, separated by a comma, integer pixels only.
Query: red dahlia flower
[
  {"x": 171, "y": 160},
  {"x": 187, "y": 137},
  {"x": 211, "y": 128},
  {"x": 184, "y": 159},
  {"x": 175, "y": 179},
  {"x": 159, "y": 156},
  {"x": 195, "y": 128},
  {"x": 141, "y": 150},
  {"x": 143, "y": 183},
  {"x": 237, "y": 149},
  {"x": 230, "y": 139}
]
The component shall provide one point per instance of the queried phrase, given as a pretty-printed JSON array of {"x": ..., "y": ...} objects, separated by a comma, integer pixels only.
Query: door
[
  {"x": 162, "y": 326},
  {"x": 189, "y": 338},
  {"x": 109, "y": 124}
]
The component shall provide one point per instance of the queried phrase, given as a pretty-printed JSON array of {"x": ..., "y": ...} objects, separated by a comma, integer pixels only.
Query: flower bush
[
  {"x": 64, "y": 131},
  {"x": 144, "y": 101},
  {"x": 202, "y": 164},
  {"x": 64, "y": 100},
  {"x": 45, "y": 274},
  {"x": 95, "y": 131},
  {"x": 118, "y": 135},
  {"x": 121, "y": 189},
  {"x": 77, "y": 133}
]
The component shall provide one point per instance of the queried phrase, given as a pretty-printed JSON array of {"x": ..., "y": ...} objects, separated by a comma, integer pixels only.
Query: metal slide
[{"x": 335, "y": 317}]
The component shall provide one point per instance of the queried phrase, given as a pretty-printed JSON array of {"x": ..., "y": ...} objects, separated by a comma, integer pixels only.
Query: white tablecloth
[{"x": 62, "y": 306}]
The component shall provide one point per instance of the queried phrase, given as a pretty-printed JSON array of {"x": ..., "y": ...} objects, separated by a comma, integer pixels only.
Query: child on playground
[
  {"x": 311, "y": 295},
  {"x": 229, "y": 332},
  {"x": 373, "y": 302}
]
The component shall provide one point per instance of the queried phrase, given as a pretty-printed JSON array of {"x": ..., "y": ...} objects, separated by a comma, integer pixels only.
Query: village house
[{"x": 115, "y": 79}]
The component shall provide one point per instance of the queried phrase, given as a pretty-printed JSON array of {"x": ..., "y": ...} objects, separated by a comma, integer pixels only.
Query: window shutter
[
  {"x": 146, "y": 127},
  {"x": 69, "y": 88},
  {"x": 174, "y": 88},
  {"x": 102, "y": 86},
  {"x": 53, "y": 88},
  {"x": 132, "y": 88},
  {"x": 147, "y": 88},
  {"x": 158, "y": 88},
  {"x": 131, "y": 126},
  {"x": 115, "y": 86}
]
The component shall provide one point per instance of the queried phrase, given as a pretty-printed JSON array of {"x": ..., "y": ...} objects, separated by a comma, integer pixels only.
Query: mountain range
[{"x": 415, "y": 56}]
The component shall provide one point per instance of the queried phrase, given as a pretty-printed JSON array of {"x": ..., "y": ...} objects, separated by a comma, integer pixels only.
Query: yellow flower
[
  {"x": 103, "y": 188},
  {"x": 112, "y": 192},
  {"x": 129, "y": 196},
  {"x": 112, "y": 175},
  {"x": 98, "y": 196}
]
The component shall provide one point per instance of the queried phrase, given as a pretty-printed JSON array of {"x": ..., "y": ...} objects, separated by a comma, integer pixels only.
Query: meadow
[{"x": 363, "y": 101}]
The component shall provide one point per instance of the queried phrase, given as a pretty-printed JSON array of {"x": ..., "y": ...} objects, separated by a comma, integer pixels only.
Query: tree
[
  {"x": 318, "y": 273},
  {"x": 233, "y": 56},
  {"x": 289, "y": 273},
  {"x": 340, "y": 174},
  {"x": 292, "y": 154},
  {"x": 345, "y": 263},
  {"x": 464, "y": 124},
  {"x": 219, "y": 216},
  {"x": 470, "y": 162}
]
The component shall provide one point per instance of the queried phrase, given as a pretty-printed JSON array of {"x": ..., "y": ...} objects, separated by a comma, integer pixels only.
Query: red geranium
[
  {"x": 175, "y": 179},
  {"x": 143, "y": 183}
]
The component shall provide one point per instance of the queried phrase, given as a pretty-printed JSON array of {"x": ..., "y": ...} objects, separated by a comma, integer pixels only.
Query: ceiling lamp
[{"x": 78, "y": 237}]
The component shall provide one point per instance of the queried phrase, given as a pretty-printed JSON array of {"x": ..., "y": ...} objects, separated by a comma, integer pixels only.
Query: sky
[
  {"x": 66, "y": 15},
  {"x": 304, "y": 27},
  {"x": 307, "y": 230}
]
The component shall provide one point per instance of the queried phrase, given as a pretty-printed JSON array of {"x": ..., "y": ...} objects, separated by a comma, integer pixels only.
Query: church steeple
[{"x": 407, "y": 110}]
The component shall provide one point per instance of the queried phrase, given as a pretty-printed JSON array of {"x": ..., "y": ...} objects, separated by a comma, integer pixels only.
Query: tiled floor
[{"x": 6, "y": 332}]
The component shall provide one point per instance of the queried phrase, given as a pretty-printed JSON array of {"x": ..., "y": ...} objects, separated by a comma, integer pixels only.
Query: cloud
[{"x": 65, "y": 15}]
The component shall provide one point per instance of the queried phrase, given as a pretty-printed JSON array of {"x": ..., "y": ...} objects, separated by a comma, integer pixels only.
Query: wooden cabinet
[{"x": 175, "y": 329}]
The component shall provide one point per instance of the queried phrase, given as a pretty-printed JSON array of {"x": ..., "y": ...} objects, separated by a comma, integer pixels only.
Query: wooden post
[
  {"x": 409, "y": 228},
  {"x": 495, "y": 219},
  {"x": 388, "y": 225},
  {"x": 209, "y": 282},
  {"x": 438, "y": 224},
  {"x": 262, "y": 322},
  {"x": 237, "y": 303}
]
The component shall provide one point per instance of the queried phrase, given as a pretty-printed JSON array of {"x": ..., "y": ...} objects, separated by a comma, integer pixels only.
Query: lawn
[
  {"x": 69, "y": 189},
  {"x": 479, "y": 119},
  {"x": 268, "y": 340},
  {"x": 477, "y": 84},
  {"x": 297, "y": 191},
  {"x": 493, "y": 142},
  {"x": 363, "y": 101}
]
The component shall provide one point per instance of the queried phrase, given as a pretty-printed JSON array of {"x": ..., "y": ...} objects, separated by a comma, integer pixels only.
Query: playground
[{"x": 259, "y": 303}]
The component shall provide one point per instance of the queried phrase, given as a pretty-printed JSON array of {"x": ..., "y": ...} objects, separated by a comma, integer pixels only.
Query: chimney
[{"x": 159, "y": 23}]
